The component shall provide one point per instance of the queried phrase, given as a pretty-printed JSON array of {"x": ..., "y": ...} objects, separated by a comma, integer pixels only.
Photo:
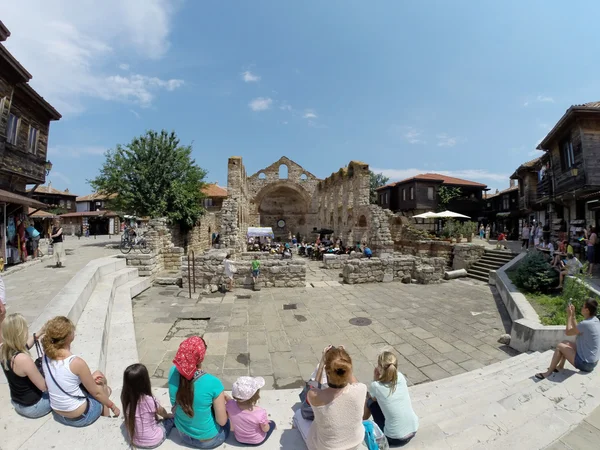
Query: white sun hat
[{"x": 245, "y": 387}]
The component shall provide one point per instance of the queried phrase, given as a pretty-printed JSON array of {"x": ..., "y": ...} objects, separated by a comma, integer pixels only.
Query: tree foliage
[
  {"x": 376, "y": 181},
  {"x": 153, "y": 176},
  {"x": 535, "y": 274},
  {"x": 445, "y": 195}
]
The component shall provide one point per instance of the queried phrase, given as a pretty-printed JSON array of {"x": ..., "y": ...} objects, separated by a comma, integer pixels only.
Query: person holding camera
[{"x": 584, "y": 353}]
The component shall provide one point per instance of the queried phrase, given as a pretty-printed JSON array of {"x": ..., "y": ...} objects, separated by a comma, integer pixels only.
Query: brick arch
[{"x": 276, "y": 185}]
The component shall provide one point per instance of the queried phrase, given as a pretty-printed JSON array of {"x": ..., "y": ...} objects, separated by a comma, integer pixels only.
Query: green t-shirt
[
  {"x": 255, "y": 264},
  {"x": 206, "y": 389}
]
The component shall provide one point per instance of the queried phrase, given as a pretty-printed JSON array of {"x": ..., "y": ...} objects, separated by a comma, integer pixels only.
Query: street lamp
[{"x": 48, "y": 167}]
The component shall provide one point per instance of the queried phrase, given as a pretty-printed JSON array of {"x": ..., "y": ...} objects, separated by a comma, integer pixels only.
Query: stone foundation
[
  {"x": 465, "y": 255},
  {"x": 274, "y": 272},
  {"x": 146, "y": 264},
  {"x": 403, "y": 268},
  {"x": 338, "y": 261}
]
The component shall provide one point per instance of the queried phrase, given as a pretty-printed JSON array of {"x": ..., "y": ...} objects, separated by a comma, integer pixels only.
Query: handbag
[
  {"x": 40, "y": 353},
  {"x": 80, "y": 397}
]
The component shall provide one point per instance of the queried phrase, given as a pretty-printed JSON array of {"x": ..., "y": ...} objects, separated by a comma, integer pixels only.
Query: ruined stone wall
[
  {"x": 273, "y": 272},
  {"x": 338, "y": 261},
  {"x": 397, "y": 268},
  {"x": 234, "y": 213},
  {"x": 465, "y": 255}
]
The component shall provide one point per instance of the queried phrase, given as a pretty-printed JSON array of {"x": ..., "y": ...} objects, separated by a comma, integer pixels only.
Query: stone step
[
  {"x": 478, "y": 271},
  {"x": 500, "y": 253},
  {"x": 493, "y": 260},
  {"x": 427, "y": 389},
  {"x": 121, "y": 347},
  {"x": 94, "y": 324},
  {"x": 456, "y": 392},
  {"x": 484, "y": 278},
  {"x": 485, "y": 265}
]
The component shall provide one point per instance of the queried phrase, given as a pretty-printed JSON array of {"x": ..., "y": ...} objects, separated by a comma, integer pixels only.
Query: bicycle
[{"x": 129, "y": 242}]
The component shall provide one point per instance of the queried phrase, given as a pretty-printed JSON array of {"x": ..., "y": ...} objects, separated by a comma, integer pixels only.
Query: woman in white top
[
  {"x": 77, "y": 397},
  {"x": 389, "y": 402},
  {"x": 230, "y": 270},
  {"x": 338, "y": 409}
]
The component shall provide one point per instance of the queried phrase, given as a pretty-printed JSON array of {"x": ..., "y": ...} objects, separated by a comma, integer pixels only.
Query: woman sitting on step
[
  {"x": 338, "y": 409},
  {"x": 389, "y": 402},
  {"x": 77, "y": 396},
  {"x": 198, "y": 398},
  {"x": 28, "y": 392}
]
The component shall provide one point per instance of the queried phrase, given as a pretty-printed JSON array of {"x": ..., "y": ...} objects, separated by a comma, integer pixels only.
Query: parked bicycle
[{"x": 130, "y": 240}]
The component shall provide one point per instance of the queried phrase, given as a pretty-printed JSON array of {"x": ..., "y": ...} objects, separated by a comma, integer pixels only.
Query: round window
[{"x": 281, "y": 223}]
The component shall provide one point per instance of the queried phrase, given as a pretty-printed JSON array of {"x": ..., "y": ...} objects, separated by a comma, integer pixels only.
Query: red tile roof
[
  {"x": 50, "y": 190},
  {"x": 95, "y": 196},
  {"x": 214, "y": 190},
  {"x": 90, "y": 214},
  {"x": 445, "y": 179}
]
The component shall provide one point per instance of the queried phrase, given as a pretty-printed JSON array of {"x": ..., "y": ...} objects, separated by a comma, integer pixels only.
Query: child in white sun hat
[{"x": 249, "y": 423}]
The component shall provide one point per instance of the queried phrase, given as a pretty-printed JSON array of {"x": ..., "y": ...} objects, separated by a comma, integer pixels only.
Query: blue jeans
[
  {"x": 582, "y": 365},
  {"x": 40, "y": 409},
  {"x": 272, "y": 427},
  {"x": 210, "y": 443},
  {"x": 379, "y": 419},
  {"x": 91, "y": 414}
]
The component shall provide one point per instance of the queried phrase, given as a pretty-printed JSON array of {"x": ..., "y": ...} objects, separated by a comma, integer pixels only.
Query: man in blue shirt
[{"x": 34, "y": 235}]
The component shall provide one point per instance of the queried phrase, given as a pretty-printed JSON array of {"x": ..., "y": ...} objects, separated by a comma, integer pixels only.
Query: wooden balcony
[{"x": 31, "y": 168}]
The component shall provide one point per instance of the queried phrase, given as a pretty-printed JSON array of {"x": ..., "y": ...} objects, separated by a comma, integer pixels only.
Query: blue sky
[{"x": 467, "y": 88}]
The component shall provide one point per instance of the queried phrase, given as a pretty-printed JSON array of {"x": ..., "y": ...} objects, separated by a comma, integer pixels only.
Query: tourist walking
[
  {"x": 250, "y": 424},
  {"x": 584, "y": 353},
  {"x": 255, "y": 269},
  {"x": 591, "y": 241},
  {"x": 78, "y": 397},
  {"x": 488, "y": 231},
  {"x": 57, "y": 243},
  {"x": 199, "y": 398},
  {"x": 389, "y": 402},
  {"x": 28, "y": 391},
  {"x": 525, "y": 236},
  {"x": 481, "y": 231},
  {"x": 229, "y": 270},
  {"x": 339, "y": 408},
  {"x": 141, "y": 410}
]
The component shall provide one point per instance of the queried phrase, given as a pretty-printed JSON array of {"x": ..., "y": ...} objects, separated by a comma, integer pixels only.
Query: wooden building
[
  {"x": 501, "y": 211},
  {"x": 93, "y": 202},
  {"x": 24, "y": 129},
  {"x": 214, "y": 195},
  {"x": 59, "y": 202},
  {"x": 571, "y": 175},
  {"x": 419, "y": 194}
]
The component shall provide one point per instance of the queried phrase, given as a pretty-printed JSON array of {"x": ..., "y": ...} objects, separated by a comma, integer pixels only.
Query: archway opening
[
  {"x": 285, "y": 210},
  {"x": 283, "y": 172},
  {"x": 262, "y": 176}
]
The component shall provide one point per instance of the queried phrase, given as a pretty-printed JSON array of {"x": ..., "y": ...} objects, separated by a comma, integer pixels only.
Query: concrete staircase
[{"x": 491, "y": 260}]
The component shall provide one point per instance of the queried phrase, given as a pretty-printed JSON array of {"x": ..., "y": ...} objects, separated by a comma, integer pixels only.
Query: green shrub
[{"x": 535, "y": 274}]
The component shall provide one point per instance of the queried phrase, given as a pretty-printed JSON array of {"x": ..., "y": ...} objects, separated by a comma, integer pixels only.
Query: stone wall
[
  {"x": 425, "y": 248},
  {"x": 147, "y": 265},
  {"x": 465, "y": 255},
  {"x": 338, "y": 261},
  {"x": 403, "y": 268},
  {"x": 209, "y": 271}
]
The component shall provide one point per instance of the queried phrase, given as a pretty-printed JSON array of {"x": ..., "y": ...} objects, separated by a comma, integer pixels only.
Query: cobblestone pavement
[
  {"x": 28, "y": 291},
  {"x": 436, "y": 330}
]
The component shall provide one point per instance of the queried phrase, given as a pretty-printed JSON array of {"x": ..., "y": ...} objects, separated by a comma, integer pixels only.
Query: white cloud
[
  {"x": 60, "y": 176},
  {"x": 309, "y": 115},
  {"x": 411, "y": 135},
  {"x": 285, "y": 107},
  {"x": 538, "y": 99},
  {"x": 480, "y": 175},
  {"x": 71, "y": 151},
  {"x": 250, "y": 77},
  {"x": 446, "y": 141},
  {"x": 135, "y": 113},
  {"x": 70, "y": 48},
  {"x": 260, "y": 104}
]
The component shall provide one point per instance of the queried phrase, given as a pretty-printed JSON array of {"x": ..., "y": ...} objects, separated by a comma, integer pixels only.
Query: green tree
[
  {"x": 445, "y": 195},
  {"x": 153, "y": 176},
  {"x": 377, "y": 180}
]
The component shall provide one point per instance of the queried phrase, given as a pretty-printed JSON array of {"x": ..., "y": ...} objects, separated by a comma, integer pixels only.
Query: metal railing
[{"x": 193, "y": 275}]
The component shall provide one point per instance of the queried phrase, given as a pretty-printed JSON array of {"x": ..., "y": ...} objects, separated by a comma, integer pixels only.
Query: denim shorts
[
  {"x": 40, "y": 409},
  {"x": 219, "y": 439},
  {"x": 582, "y": 365},
  {"x": 91, "y": 414},
  {"x": 591, "y": 254},
  {"x": 255, "y": 273}
]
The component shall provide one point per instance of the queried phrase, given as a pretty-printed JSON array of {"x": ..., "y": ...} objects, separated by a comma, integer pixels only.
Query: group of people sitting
[{"x": 61, "y": 383}]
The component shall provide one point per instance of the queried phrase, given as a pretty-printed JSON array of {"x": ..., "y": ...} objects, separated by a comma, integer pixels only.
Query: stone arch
[
  {"x": 262, "y": 176},
  {"x": 362, "y": 221},
  {"x": 303, "y": 177}
]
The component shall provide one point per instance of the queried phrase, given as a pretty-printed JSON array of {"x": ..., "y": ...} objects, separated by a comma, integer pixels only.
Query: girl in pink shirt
[
  {"x": 141, "y": 409},
  {"x": 249, "y": 422}
]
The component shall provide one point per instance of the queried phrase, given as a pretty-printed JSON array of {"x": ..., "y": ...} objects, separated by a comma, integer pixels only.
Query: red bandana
[{"x": 190, "y": 353}]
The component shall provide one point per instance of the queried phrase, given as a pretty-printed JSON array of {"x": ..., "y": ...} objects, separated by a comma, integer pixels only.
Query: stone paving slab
[{"x": 436, "y": 330}]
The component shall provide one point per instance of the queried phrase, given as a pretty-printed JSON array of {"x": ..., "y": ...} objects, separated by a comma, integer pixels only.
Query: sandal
[{"x": 540, "y": 376}]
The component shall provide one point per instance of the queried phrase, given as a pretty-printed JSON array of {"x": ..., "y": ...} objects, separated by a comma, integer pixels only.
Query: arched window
[
  {"x": 262, "y": 176},
  {"x": 303, "y": 177},
  {"x": 362, "y": 221},
  {"x": 283, "y": 172}
]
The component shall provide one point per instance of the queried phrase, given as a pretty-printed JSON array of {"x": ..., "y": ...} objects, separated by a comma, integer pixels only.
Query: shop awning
[
  {"x": 11, "y": 197},
  {"x": 39, "y": 214}
]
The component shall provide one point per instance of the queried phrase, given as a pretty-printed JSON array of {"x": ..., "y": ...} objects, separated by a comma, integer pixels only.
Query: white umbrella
[
  {"x": 427, "y": 215},
  {"x": 450, "y": 214}
]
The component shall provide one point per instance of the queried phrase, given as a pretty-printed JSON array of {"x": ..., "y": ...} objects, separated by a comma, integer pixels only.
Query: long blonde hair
[
  {"x": 14, "y": 336},
  {"x": 58, "y": 332},
  {"x": 388, "y": 370}
]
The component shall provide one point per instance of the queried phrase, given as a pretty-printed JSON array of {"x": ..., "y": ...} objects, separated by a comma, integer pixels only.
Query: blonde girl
[
  {"x": 28, "y": 392},
  {"x": 389, "y": 402}
]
